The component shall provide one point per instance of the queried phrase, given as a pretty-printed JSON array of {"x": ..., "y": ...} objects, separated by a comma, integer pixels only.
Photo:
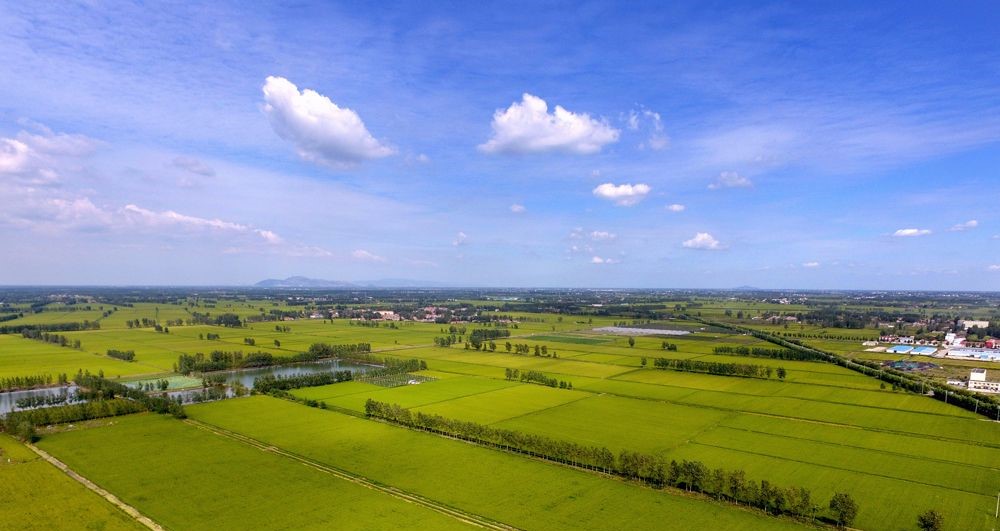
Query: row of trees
[
  {"x": 773, "y": 353},
  {"x": 219, "y": 360},
  {"x": 14, "y": 383},
  {"x": 124, "y": 355},
  {"x": 50, "y": 327},
  {"x": 56, "y": 339},
  {"x": 743, "y": 370},
  {"x": 266, "y": 384},
  {"x": 45, "y": 400},
  {"x": 536, "y": 377},
  {"x": 981, "y": 404},
  {"x": 654, "y": 470}
]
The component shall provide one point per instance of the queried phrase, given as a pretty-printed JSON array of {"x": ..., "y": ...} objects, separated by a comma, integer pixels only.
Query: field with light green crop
[
  {"x": 516, "y": 490},
  {"x": 187, "y": 478},
  {"x": 37, "y": 496},
  {"x": 822, "y": 427}
]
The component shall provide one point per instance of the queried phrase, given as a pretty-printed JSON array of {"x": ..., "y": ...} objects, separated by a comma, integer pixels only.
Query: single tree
[
  {"x": 631, "y": 341},
  {"x": 930, "y": 521},
  {"x": 844, "y": 508}
]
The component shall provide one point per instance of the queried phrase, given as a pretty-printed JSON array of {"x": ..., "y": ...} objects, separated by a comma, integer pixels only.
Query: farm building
[{"x": 969, "y": 324}]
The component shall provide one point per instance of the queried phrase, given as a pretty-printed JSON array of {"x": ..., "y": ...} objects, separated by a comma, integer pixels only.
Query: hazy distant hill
[{"x": 305, "y": 282}]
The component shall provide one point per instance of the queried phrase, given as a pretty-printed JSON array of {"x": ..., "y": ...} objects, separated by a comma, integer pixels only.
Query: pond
[
  {"x": 8, "y": 400},
  {"x": 246, "y": 376}
]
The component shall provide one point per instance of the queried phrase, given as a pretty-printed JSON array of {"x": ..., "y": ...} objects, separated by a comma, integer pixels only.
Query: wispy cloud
[
  {"x": 911, "y": 233},
  {"x": 730, "y": 179},
  {"x": 968, "y": 225}
]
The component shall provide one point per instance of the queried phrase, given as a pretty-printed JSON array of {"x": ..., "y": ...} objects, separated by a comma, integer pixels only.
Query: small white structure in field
[{"x": 969, "y": 324}]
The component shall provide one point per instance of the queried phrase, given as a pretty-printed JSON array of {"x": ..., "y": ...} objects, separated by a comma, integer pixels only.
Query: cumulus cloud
[
  {"x": 994, "y": 267},
  {"x": 517, "y": 208},
  {"x": 460, "y": 239},
  {"x": 193, "y": 165},
  {"x": 321, "y": 131},
  {"x": 911, "y": 233},
  {"x": 622, "y": 194},
  {"x": 730, "y": 179},
  {"x": 602, "y": 235},
  {"x": 703, "y": 241},
  {"x": 366, "y": 256},
  {"x": 676, "y": 207},
  {"x": 968, "y": 225},
  {"x": 599, "y": 260},
  {"x": 528, "y": 127},
  {"x": 810, "y": 264}
]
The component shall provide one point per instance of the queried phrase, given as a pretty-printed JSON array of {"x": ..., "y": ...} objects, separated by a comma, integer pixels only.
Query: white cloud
[
  {"x": 193, "y": 165},
  {"x": 622, "y": 194},
  {"x": 810, "y": 264},
  {"x": 320, "y": 130},
  {"x": 602, "y": 235},
  {"x": 366, "y": 256},
  {"x": 599, "y": 260},
  {"x": 968, "y": 225},
  {"x": 994, "y": 267},
  {"x": 423, "y": 159},
  {"x": 517, "y": 208},
  {"x": 703, "y": 241},
  {"x": 460, "y": 239},
  {"x": 730, "y": 179},
  {"x": 910, "y": 233},
  {"x": 169, "y": 218},
  {"x": 528, "y": 127},
  {"x": 37, "y": 159},
  {"x": 657, "y": 139},
  {"x": 676, "y": 207}
]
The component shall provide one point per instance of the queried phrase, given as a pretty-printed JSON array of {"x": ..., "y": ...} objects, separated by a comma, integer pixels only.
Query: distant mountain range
[{"x": 305, "y": 282}]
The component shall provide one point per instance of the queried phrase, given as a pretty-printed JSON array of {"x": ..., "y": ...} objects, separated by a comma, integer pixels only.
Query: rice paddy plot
[
  {"x": 37, "y": 496},
  {"x": 502, "y": 404},
  {"x": 26, "y": 357},
  {"x": 519, "y": 491},
  {"x": 227, "y": 484}
]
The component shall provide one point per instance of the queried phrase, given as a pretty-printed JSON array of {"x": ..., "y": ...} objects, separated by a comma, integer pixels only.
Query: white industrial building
[
  {"x": 978, "y": 382},
  {"x": 969, "y": 324}
]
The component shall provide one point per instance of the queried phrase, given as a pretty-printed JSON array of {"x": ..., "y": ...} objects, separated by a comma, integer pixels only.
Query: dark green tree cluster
[
  {"x": 56, "y": 339},
  {"x": 222, "y": 360},
  {"x": 50, "y": 327},
  {"x": 124, "y": 355},
  {"x": 651, "y": 469},
  {"x": 71, "y": 413},
  {"x": 266, "y": 384},
  {"x": 773, "y": 353},
  {"x": 668, "y": 346},
  {"x": 742, "y": 370},
  {"x": 537, "y": 377},
  {"x": 14, "y": 383}
]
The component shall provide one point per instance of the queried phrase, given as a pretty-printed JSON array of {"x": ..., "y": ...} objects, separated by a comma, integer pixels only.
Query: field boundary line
[
  {"x": 867, "y": 449},
  {"x": 457, "y": 514},
  {"x": 821, "y": 465},
  {"x": 117, "y": 502}
]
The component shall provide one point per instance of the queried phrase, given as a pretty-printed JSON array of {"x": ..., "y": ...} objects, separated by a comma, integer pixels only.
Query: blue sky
[{"x": 806, "y": 145}]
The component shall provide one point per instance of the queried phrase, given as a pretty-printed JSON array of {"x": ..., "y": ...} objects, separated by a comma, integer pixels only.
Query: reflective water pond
[
  {"x": 246, "y": 376},
  {"x": 8, "y": 401}
]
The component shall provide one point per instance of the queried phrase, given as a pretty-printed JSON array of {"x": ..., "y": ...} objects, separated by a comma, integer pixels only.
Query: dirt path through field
[
  {"x": 128, "y": 509},
  {"x": 458, "y": 514}
]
